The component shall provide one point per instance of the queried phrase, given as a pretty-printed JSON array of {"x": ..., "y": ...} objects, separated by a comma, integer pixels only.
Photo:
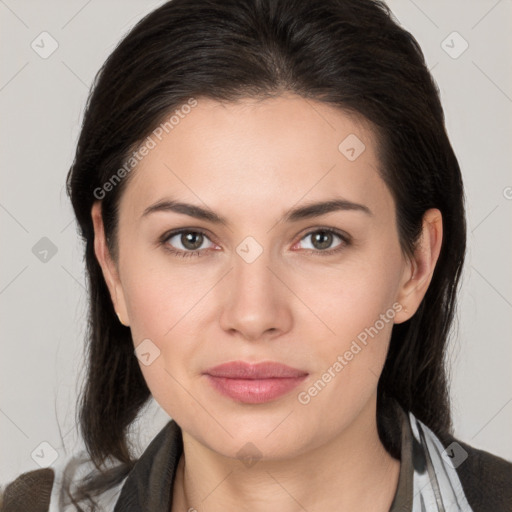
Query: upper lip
[{"x": 264, "y": 370}]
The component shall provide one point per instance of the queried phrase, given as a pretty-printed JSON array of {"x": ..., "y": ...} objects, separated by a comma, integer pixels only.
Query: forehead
[{"x": 258, "y": 151}]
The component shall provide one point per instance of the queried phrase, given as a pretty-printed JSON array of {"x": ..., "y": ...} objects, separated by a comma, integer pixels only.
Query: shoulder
[
  {"x": 485, "y": 477},
  {"x": 29, "y": 492},
  {"x": 47, "y": 489}
]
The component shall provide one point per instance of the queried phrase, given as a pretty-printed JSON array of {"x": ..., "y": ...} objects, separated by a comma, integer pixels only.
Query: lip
[{"x": 254, "y": 383}]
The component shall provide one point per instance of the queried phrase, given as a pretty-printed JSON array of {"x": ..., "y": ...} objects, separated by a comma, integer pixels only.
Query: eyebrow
[{"x": 295, "y": 214}]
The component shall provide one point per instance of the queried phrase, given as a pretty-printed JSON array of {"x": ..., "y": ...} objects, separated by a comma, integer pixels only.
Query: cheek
[
  {"x": 357, "y": 303},
  {"x": 349, "y": 363},
  {"x": 167, "y": 313},
  {"x": 160, "y": 299},
  {"x": 164, "y": 321},
  {"x": 351, "y": 298}
]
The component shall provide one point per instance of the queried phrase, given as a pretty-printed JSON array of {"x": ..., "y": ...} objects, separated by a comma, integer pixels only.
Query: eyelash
[{"x": 346, "y": 241}]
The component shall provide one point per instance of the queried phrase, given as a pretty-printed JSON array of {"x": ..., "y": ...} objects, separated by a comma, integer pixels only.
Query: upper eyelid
[
  {"x": 173, "y": 233},
  {"x": 344, "y": 237}
]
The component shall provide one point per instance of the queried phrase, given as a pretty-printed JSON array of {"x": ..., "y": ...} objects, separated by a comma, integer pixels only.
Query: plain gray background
[{"x": 43, "y": 304}]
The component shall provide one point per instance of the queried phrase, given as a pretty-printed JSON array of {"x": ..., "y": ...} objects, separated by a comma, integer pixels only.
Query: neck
[{"x": 352, "y": 472}]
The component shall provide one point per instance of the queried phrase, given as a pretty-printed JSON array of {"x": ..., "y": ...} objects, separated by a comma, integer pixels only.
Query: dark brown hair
[{"x": 350, "y": 54}]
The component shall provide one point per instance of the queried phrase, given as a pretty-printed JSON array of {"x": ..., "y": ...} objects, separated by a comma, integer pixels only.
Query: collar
[{"x": 150, "y": 482}]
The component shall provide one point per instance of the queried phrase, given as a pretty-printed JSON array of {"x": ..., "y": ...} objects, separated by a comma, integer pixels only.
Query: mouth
[{"x": 254, "y": 383}]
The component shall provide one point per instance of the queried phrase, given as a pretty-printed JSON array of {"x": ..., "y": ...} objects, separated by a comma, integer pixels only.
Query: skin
[{"x": 251, "y": 161}]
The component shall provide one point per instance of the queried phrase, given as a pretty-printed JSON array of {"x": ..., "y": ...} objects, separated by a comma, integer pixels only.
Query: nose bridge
[
  {"x": 255, "y": 302},
  {"x": 252, "y": 277}
]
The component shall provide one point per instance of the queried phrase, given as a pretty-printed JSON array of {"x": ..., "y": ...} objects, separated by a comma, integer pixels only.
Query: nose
[{"x": 256, "y": 302}]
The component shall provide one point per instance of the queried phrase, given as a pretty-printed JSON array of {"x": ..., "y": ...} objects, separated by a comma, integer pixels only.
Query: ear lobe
[
  {"x": 422, "y": 265},
  {"x": 107, "y": 264}
]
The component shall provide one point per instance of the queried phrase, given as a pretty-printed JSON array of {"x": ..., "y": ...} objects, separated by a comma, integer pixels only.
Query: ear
[
  {"x": 420, "y": 268},
  {"x": 108, "y": 265}
]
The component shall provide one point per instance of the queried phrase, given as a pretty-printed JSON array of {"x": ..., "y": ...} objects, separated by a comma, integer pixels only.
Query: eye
[
  {"x": 190, "y": 241},
  {"x": 322, "y": 239}
]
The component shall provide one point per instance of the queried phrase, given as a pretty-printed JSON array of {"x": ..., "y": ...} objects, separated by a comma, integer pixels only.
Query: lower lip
[{"x": 254, "y": 391}]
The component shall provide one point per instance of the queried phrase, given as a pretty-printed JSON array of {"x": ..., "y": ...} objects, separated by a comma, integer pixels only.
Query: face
[{"x": 317, "y": 291}]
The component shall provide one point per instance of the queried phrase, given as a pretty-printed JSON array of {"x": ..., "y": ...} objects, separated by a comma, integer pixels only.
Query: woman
[{"x": 274, "y": 232}]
